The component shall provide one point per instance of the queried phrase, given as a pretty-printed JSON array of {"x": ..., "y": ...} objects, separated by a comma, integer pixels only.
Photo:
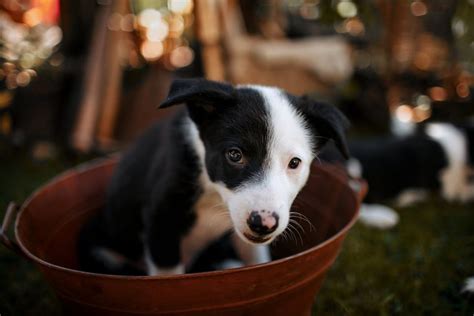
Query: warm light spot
[
  {"x": 157, "y": 31},
  {"x": 5, "y": 124},
  {"x": 462, "y": 89},
  {"x": 346, "y": 9},
  {"x": 422, "y": 61},
  {"x": 148, "y": 17},
  {"x": 438, "y": 93},
  {"x": 354, "y": 26},
  {"x": 181, "y": 56},
  {"x": 52, "y": 36},
  {"x": 418, "y": 8},
  {"x": 422, "y": 112},
  {"x": 8, "y": 66},
  {"x": 32, "y": 73},
  {"x": 5, "y": 99},
  {"x": 176, "y": 26},
  {"x": 151, "y": 50},
  {"x": 404, "y": 113},
  {"x": 180, "y": 6},
  {"x": 57, "y": 60},
  {"x": 33, "y": 16},
  {"x": 23, "y": 79}
]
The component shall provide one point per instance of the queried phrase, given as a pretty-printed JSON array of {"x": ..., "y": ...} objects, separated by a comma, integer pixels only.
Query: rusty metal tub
[{"x": 47, "y": 225}]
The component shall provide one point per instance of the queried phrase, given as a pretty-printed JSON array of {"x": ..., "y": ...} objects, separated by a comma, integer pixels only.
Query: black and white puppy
[
  {"x": 232, "y": 158},
  {"x": 439, "y": 157}
]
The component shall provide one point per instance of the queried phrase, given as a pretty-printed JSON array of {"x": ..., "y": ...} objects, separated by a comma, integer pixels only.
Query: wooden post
[
  {"x": 111, "y": 79},
  {"x": 208, "y": 32},
  {"x": 84, "y": 131}
]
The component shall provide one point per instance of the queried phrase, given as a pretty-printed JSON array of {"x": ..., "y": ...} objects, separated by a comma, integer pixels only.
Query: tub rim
[{"x": 100, "y": 162}]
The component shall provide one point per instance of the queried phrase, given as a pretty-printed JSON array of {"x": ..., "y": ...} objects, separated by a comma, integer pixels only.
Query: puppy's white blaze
[
  {"x": 275, "y": 192},
  {"x": 290, "y": 138}
]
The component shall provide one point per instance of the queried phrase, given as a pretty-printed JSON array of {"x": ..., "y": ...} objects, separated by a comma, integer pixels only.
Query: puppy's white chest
[{"x": 212, "y": 221}]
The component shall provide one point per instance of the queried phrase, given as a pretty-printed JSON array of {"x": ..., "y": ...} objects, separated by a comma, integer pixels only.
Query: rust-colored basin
[{"x": 46, "y": 230}]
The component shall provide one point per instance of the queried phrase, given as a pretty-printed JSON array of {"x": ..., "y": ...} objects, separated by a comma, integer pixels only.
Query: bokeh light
[
  {"x": 151, "y": 50},
  {"x": 418, "y": 8},
  {"x": 157, "y": 30},
  {"x": 346, "y": 9},
  {"x": 438, "y": 93},
  {"x": 404, "y": 113},
  {"x": 181, "y": 56},
  {"x": 180, "y": 6}
]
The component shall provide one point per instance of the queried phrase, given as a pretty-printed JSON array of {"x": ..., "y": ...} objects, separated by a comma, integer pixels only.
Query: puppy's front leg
[
  {"x": 163, "y": 247},
  {"x": 153, "y": 269},
  {"x": 251, "y": 254}
]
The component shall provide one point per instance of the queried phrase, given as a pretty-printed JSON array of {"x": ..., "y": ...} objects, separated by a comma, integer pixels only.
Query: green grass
[{"x": 416, "y": 268}]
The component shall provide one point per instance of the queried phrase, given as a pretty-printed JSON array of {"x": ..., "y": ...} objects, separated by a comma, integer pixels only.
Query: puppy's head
[{"x": 258, "y": 143}]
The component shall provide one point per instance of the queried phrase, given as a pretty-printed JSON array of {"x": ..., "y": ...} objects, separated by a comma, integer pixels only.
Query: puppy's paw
[
  {"x": 154, "y": 270},
  {"x": 229, "y": 264},
  {"x": 378, "y": 216}
]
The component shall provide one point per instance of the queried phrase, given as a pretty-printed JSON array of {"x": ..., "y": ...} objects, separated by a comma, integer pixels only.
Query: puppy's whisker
[
  {"x": 317, "y": 158},
  {"x": 283, "y": 235},
  {"x": 218, "y": 205},
  {"x": 219, "y": 215},
  {"x": 297, "y": 233},
  {"x": 304, "y": 220},
  {"x": 300, "y": 216},
  {"x": 291, "y": 233},
  {"x": 297, "y": 225}
]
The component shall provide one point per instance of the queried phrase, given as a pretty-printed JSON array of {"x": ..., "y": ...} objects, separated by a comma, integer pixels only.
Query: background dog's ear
[
  {"x": 328, "y": 122},
  {"x": 201, "y": 93}
]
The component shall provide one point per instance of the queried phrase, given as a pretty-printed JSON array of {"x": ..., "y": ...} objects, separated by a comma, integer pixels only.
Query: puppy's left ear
[
  {"x": 328, "y": 122},
  {"x": 198, "y": 92}
]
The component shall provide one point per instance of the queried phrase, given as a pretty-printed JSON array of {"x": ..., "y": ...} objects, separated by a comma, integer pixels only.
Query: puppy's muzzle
[{"x": 262, "y": 222}]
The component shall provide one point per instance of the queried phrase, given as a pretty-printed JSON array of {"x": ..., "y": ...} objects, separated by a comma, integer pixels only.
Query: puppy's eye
[
  {"x": 294, "y": 163},
  {"x": 234, "y": 156}
]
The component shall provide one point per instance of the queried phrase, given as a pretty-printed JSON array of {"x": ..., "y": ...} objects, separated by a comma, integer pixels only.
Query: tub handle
[{"x": 7, "y": 220}]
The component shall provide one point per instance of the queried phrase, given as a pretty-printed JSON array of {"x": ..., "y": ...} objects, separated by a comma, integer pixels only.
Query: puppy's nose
[{"x": 263, "y": 222}]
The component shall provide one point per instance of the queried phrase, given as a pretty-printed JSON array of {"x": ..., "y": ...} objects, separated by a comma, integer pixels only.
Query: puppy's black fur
[
  {"x": 137, "y": 190},
  {"x": 391, "y": 165}
]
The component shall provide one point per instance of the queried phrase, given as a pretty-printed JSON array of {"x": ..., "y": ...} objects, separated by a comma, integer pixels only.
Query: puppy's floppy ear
[
  {"x": 328, "y": 122},
  {"x": 199, "y": 92}
]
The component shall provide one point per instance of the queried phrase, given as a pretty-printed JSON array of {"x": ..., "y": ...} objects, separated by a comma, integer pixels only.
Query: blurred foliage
[
  {"x": 23, "y": 291},
  {"x": 463, "y": 28}
]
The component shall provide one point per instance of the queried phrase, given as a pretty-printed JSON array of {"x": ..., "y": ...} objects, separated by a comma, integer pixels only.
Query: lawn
[{"x": 416, "y": 268}]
